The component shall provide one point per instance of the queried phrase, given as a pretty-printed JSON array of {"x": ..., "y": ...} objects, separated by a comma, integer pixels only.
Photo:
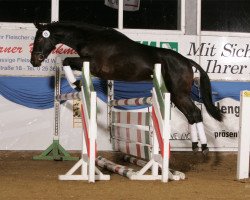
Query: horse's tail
[{"x": 206, "y": 94}]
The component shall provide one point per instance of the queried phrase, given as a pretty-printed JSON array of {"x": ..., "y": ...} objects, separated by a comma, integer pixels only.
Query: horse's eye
[{"x": 40, "y": 57}]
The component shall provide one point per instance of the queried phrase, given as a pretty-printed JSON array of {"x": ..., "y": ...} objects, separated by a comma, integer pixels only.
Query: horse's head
[{"x": 44, "y": 43}]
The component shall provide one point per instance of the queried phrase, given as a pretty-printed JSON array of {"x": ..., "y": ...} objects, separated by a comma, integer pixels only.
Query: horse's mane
[{"x": 78, "y": 25}]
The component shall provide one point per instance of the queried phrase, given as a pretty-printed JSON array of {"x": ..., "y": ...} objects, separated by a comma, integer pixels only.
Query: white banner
[
  {"x": 223, "y": 58},
  {"x": 128, "y": 5}
]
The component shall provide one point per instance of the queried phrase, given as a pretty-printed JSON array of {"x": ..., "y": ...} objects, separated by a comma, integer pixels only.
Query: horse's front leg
[
  {"x": 69, "y": 64},
  {"x": 75, "y": 63}
]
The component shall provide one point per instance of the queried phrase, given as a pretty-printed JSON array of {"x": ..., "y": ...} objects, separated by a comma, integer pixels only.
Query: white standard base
[
  {"x": 172, "y": 174},
  {"x": 84, "y": 176},
  {"x": 140, "y": 175},
  {"x": 173, "y": 177}
]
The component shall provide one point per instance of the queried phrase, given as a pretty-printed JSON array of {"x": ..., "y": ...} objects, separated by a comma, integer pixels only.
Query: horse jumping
[{"x": 113, "y": 56}]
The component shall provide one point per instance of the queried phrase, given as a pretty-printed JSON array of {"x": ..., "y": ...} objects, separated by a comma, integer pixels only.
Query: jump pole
[
  {"x": 244, "y": 136},
  {"x": 55, "y": 151}
]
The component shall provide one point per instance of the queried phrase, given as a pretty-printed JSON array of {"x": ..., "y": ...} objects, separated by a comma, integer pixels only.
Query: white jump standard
[
  {"x": 244, "y": 137},
  {"x": 88, "y": 110}
]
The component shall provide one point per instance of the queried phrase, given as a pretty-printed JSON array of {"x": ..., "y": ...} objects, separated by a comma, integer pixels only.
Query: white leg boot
[
  {"x": 203, "y": 138},
  {"x": 194, "y": 136},
  {"x": 70, "y": 76}
]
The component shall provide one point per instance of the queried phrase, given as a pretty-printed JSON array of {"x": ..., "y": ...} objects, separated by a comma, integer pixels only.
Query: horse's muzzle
[
  {"x": 35, "y": 63},
  {"x": 37, "y": 59}
]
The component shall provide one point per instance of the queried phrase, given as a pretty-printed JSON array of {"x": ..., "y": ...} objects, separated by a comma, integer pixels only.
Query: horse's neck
[{"x": 69, "y": 38}]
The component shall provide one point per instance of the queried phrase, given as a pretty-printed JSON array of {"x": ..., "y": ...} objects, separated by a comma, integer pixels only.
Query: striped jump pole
[
  {"x": 86, "y": 164},
  {"x": 111, "y": 166},
  {"x": 69, "y": 96},
  {"x": 132, "y": 102}
]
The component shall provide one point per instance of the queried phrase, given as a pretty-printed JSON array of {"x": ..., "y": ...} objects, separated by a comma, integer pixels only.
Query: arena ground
[{"x": 213, "y": 178}]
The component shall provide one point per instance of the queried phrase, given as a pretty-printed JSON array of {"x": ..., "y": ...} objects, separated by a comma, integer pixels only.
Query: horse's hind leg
[
  {"x": 203, "y": 138},
  {"x": 193, "y": 136},
  {"x": 194, "y": 117},
  {"x": 197, "y": 129}
]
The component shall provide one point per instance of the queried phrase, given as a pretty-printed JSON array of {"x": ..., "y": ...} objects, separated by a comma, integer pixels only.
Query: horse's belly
[
  {"x": 124, "y": 68},
  {"x": 124, "y": 74}
]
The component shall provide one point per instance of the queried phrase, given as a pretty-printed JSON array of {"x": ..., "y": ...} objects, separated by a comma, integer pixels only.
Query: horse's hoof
[
  {"x": 195, "y": 147},
  {"x": 195, "y": 150},
  {"x": 205, "y": 151}
]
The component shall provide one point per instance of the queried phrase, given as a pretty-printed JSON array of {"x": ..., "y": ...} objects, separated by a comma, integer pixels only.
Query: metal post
[
  {"x": 55, "y": 151},
  {"x": 54, "y": 10},
  {"x": 120, "y": 14}
]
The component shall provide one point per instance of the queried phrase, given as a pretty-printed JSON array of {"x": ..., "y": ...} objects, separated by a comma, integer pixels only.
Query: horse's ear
[{"x": 39, "y": 25}]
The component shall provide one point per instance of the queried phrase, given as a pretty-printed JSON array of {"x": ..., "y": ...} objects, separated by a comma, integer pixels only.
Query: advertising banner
[
  {"x": 15, "y": 53},
  {"x": 222, "y": 136},
  {"x": 223, "y": 58}
]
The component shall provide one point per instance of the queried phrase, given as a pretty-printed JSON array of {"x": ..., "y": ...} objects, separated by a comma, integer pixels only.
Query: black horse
[{"x": 113, "y": 56}]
